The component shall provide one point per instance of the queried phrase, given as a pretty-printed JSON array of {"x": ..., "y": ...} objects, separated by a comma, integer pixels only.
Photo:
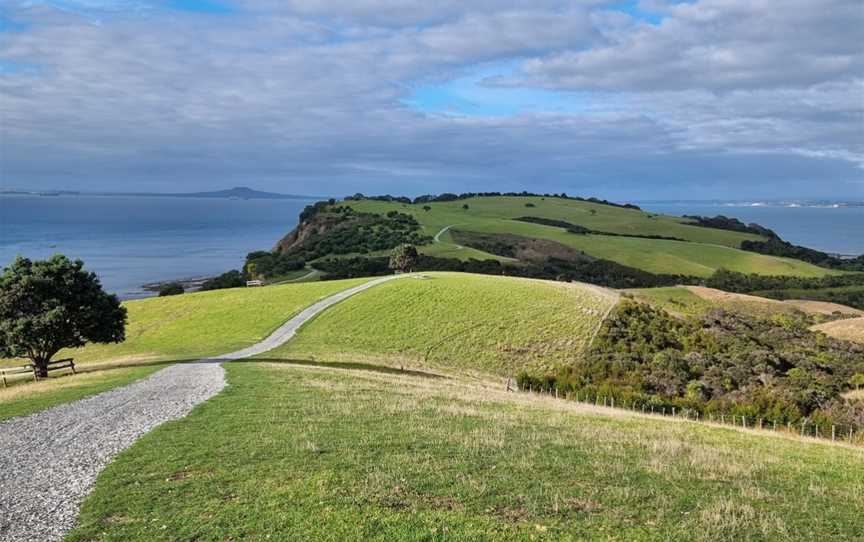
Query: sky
[{"x": 627, "y": 100}]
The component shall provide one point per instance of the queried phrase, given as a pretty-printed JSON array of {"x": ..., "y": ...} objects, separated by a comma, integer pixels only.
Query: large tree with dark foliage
[
  {"x": 404, "y": 258},
  {"x": 52, "y": 304}
]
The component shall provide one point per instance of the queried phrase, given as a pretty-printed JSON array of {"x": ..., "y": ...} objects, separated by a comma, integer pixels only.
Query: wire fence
[{"x": 804, "y": 428}]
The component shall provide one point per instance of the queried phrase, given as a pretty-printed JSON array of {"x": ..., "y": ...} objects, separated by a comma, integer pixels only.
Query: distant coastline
[
  {"x": 792, "y": 204},
  {"x": 239, "y": 192}
]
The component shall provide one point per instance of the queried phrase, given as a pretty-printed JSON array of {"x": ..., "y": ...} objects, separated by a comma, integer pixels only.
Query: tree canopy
[
  {"x": 404, "y": 258},
  {"x": 48, "y": 305}
]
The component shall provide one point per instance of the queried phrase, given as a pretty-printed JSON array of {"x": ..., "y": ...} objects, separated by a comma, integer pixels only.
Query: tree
[
  {"x": 427, "y": 208},
  {"x": 403, "y": 258},
  {"x": 465, "y": 206},
  {"x": 171, "y": 288},
  {"x": 857, "y": 380},
  {"x": 52, "y": 304}
]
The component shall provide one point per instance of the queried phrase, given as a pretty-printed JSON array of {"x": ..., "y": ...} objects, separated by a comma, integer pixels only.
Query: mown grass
[
  {"x": 708, "y": 250},
  {"x": 299, "y": 453},
  {"x": 201, "y": 324},
  {"x": 30, "y": 397},
  {"x": 477, "y": 322}
]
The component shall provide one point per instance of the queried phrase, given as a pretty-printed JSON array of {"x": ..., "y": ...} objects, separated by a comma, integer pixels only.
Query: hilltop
[{"x": 556, "y": 237}]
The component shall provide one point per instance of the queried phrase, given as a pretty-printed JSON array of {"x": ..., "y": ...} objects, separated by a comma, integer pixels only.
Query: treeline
[
  {"x": 721, "y": 222},
  {"x": 582, "y": 230},
  {"x": 262, "y": 265},
  {"x": 602, "y": 272},
  {"x": 778, "y": 247},
  {"x": 448, "y": 196},
  {"x": 741, "y": 283},
  {"x": 772, "y": 368}
]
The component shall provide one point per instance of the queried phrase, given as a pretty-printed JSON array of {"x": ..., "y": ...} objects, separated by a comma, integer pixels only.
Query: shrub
[{"x": 170, "y": 288}]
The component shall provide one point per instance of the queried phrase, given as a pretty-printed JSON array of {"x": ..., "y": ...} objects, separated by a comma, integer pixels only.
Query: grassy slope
[
  {"x": 206, "y": 323},
  {"x": 695, "y": 300},
  {"x": 289, "y": 453},
  {"x": 709, "y": 250},
  {"x": 848, "y": 330},
  {"x": 32, "y": 397},
  {"x": 479, "y": 322}
]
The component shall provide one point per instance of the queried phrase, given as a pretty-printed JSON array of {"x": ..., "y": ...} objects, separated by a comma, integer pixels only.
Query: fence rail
[
  {"x": 804, "y": 428},
  {"x": 32, "y": 371}
]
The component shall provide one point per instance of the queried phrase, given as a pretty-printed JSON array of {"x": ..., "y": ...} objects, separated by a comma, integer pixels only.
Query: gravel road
[{"x": 50, "y": 460}]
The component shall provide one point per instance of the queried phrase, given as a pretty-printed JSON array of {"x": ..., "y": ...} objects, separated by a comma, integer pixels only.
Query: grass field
[
  {"x": 191, "y": 326},
  {"x": 709, "y": 249},
  {"x": 308, "y": 453},
  {"x": 478, "y": 322},
  {"x": 696, "y": 300},
  {"x": 848, "y": 330},
  {"x": 32, "y": 397}
]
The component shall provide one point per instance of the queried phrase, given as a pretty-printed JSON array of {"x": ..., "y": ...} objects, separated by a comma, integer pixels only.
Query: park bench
[{"x": 57, "y": 365}]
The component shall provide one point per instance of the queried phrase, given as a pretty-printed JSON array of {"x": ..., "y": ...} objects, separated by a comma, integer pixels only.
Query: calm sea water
[
  {"x": 835, "y": 230},
  {"x": 131, "y": 241}
]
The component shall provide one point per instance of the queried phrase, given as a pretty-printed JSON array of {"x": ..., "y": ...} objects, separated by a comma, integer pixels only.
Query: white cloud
[{"x": 285, "y": 92}]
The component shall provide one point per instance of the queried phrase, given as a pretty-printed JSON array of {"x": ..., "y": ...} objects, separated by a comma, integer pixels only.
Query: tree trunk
[{"x": 41, "y": 367}]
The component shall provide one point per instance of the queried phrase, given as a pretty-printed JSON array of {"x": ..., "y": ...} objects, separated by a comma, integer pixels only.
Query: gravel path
[
  {"x": 50, "y": 460},
  {"x": 438, "y": 235}
]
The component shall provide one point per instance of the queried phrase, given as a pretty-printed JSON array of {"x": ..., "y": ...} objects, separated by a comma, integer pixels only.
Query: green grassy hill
[
  {"x": 287, "y": 452},
  {"x": 202, "y": 324},
  {"x": 482, "y": 323},
  {"x": 703, "y": 251}
]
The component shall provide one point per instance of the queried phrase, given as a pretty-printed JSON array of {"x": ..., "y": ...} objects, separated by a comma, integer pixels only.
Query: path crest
[{"x": 49, "y": 460}]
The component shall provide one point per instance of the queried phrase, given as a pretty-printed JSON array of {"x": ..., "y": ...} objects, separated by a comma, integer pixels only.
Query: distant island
[{"x": 238, "y": 192}]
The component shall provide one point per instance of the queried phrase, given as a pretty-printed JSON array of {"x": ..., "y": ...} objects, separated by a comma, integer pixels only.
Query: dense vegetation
[
  {"x": 229, "y": 279},
  {"x": 778, "y": 247},
  {"x": 268, "y": 265},
  {"x": 721, "y": 222},
  {"x": 845, "y": 289},
  {"x": 171, "y": 288},
  {"x": 720, "y": 362},
  {"x": 352, "y": 232}
]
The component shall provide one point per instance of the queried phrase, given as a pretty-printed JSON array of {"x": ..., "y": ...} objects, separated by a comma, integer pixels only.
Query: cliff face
[{"x": 320, "y": 224}]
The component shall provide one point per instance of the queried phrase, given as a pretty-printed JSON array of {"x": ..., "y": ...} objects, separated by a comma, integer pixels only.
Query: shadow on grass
[
  {"x": 98, "y": 367},
  {"x": 354, "y": 366}
]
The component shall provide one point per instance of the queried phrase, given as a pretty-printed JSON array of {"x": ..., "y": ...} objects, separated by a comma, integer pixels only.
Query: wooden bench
[
  {"x": 16, "y": 371},
  {"x": 31, "y": 369}
]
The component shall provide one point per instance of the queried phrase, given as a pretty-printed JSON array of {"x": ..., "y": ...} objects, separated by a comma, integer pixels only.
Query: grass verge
[{"x": 300, "y": 453}]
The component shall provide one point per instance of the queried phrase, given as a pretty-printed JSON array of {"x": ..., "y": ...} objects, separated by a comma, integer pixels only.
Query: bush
[
  {"x": 230, "y": 279},
  {"x": 171, "y": 288}
]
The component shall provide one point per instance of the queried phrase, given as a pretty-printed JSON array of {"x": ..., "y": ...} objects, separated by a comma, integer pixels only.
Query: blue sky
[{"x": 637, "y": 99}]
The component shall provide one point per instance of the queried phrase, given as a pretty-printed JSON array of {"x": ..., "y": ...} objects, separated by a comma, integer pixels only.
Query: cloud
[{"x": 316, "y": 97}]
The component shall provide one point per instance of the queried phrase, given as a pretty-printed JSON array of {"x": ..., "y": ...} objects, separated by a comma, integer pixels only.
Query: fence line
[{"x": 805, "y": 429}]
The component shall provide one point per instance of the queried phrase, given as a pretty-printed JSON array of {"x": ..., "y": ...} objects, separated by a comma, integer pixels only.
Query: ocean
[
  {"x": 132, "y": 241},
  {"x": 836, "y": 230}
]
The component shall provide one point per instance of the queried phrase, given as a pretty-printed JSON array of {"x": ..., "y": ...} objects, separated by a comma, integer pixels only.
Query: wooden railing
[{"x": 33, "y": 371}]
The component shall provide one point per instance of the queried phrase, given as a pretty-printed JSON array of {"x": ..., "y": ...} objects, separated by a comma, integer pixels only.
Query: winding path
[
  {"x": 438, "y": 235},
  {"x": 50, "y": 460}
]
